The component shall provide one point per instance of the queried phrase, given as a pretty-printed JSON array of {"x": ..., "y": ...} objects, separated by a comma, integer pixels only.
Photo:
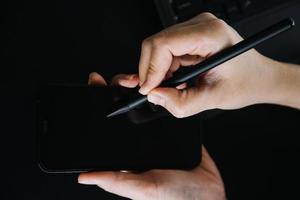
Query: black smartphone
[{"x": 74, "y": 134}]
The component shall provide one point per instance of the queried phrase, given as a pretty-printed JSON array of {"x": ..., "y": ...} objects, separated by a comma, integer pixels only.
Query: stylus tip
[{"x": 117, "y": 112}]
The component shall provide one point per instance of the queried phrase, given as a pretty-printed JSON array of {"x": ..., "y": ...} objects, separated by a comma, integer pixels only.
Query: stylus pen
[{"x": 211, "y": 62}]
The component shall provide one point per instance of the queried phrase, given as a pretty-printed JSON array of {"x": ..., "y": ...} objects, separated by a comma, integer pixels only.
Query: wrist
[{"x": 285, "y": 84}]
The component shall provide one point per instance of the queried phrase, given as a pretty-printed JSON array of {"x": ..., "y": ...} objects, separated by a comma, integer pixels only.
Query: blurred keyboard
[{"x": 174, "y": 11}]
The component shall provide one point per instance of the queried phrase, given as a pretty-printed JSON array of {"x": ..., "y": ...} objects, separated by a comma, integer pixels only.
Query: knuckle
[
  {"x": 159, "y": 40},
  {"x": 152, "y": 68},
  {"x": 178, "y": 112},
  {"x": 146, "y": 42},
  {"x": 155, "y": 69},
  {"x": 180, "y": 106},
  {"x": 219, "y": 24},
  {"x": 207, "y": 15}
]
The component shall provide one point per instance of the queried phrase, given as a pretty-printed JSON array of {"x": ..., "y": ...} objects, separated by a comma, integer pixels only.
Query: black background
[{"x": 256, "y": 148}]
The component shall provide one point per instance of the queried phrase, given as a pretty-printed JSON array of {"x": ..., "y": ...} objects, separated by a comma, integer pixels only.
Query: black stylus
[{"x": 211, "y": 62}]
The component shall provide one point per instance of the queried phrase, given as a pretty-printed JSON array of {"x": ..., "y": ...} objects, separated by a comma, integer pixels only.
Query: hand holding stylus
[
  {"x": 248, "y": 79},
  {"x": 183, "y": 44}
]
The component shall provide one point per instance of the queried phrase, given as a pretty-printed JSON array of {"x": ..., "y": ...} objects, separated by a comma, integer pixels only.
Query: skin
[
  {"x": 250, "y": 78},
  {"x": 203, "y": 182}
]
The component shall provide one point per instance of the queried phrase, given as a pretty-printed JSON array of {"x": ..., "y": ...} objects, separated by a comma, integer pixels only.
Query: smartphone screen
[{"x": 74, "y": 134}]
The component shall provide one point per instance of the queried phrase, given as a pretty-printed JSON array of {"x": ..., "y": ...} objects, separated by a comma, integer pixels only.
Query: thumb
[
  {"x": 178, "y": 102},
  {"x": 124, "y": 184}
]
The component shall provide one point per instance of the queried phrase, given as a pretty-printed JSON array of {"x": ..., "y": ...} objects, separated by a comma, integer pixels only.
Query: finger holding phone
[{"x": 203, "y": 182}]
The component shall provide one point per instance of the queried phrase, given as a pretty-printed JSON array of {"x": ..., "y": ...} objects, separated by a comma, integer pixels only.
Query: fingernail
[
  {"x": 92, "y": 75},
  {"x": 130, "y": 77},
  {"x": 144, "y": 88},
  {"x": 142, "y": 91},
  {"x": 86, "y": 181},
  {"x": 154, "y": 98}
]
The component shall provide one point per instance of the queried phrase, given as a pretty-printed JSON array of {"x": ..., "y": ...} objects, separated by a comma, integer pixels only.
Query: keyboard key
[
  {"x": 232, "y": 10},
  {"x": 244, "y": 5}
]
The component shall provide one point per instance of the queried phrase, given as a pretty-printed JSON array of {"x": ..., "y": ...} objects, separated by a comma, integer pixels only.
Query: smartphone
[{"x": 74, "y": 134}]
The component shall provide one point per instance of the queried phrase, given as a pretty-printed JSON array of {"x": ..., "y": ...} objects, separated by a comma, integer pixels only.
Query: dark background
[{"x": 256, "y": 148}]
